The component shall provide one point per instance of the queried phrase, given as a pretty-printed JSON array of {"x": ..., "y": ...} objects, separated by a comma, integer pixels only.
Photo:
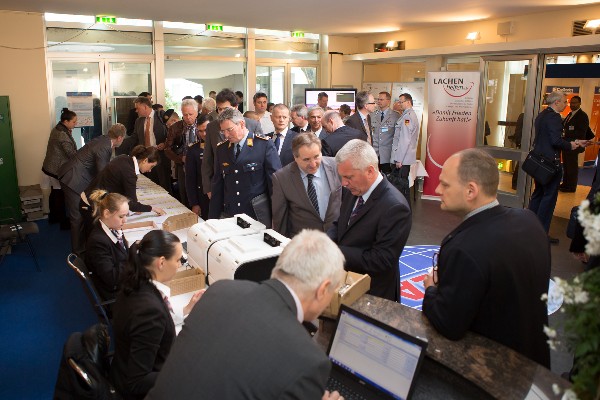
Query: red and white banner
[{"x": 452, "y": 124}]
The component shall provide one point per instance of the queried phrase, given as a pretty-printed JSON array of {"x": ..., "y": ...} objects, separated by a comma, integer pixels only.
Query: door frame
[{"x": 534, "y": 75}]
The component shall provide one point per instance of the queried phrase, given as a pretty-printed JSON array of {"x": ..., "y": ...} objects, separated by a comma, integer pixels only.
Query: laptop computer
[{"x": 372, "y": 360}]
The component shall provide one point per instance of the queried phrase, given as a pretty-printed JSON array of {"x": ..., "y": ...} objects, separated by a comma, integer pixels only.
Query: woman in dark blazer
[
  {"x": 61, "y": 147},
  {"x": 142, "y": 322},
  {"x": 106, "y": 248},
  {"x": 120, "y": 176}
]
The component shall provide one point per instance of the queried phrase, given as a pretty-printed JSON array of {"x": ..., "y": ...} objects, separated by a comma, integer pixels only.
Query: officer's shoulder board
[
  {"x": 223, "y": 142},
  {"x": 261, "y": 137}
]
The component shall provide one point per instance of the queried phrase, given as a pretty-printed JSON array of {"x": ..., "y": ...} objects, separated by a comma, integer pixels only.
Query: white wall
[{"x": 23, "y": 79}]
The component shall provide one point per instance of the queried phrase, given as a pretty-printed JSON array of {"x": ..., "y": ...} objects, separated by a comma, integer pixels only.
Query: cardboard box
[
  {"x": 180, "y": 221},
  {"x": 359, "y": 285},
  {"x": 189, "y": 280},
  {"x": 140, "y": 225}
]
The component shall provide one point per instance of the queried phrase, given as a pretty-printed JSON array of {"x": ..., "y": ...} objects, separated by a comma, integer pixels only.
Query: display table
[{"x": 471, "y": 368}]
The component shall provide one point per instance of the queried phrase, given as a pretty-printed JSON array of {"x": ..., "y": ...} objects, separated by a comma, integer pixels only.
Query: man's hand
[
  {"x": 398, "y": 165},
  {"x": 574, "y": 144},
  {"x": 196, "y": 209},
  {"x": 160, "y": 146},
  {"x": 183, "y": 159},
  {"x": 158, "y": 210},
  {"x": 332, "y": 396},
  {"x": 209, "y": 194},
  {"x": 429, "y": 280}
]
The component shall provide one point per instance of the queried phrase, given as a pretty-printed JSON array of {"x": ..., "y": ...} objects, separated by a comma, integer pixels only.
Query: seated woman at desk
[
  {"x": 106, "y": 247},
  {"x": 120, "y": 176},
  {"x": 142, "y": 315}
]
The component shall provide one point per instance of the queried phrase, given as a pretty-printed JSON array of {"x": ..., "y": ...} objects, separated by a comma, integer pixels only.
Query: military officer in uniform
[
  {"x": 197, "y": 199},
  {"x": 383, "y": 123},
  {"x": 244, "y": 164}
]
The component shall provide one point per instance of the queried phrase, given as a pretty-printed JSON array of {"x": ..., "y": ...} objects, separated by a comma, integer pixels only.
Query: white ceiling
[{"x": 347, "y": 17}]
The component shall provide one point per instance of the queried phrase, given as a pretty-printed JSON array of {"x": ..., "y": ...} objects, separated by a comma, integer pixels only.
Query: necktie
[
  {"x": 167, "y": 302},
  {"x": 359, "y": 205},
  {"x": 367, "y": 129},
  {"x": 147, "y": 132},
  {"x": 567, "y": 119},
  {"x": 312, "y": 192},
  {"x": 191, "y": 134},
  {"x": 277, "y": 141},
  {"x": 120, "y": 240},
  {"x": 236, "y": 152},
  {"x": 382, "y": 116}
]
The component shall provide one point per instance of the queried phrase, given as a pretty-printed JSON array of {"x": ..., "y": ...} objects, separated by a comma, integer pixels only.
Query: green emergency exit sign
[
  {"x": 106, "y": 19},
  {"x": 214, "y": 27}
]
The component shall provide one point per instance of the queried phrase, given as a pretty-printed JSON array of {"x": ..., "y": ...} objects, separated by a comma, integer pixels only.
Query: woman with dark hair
[
  {"x": 61, "y": 147},
  {"x": 142, "y": 315},
  {"x": 120, "y": 176},
  {"x": 106, "y": 247}
]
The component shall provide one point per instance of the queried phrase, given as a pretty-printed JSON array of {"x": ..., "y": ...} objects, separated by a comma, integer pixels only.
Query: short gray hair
[
  {"x": 231, "y": 114},
  {"x": 556, "y": 95},
  {"x": 315, "y": 108},
  {"x": 116, "y": 131},
  {"x": 308, "y": 260},
  {"x": 300, "y": 110},
  {"x": 362, "y": 98},
  {"x": 189, "y": 103},
  {"x": 360, "y": 153},
  {"x": 210, "y": 104},
  {"x": 332, "y": 116}
]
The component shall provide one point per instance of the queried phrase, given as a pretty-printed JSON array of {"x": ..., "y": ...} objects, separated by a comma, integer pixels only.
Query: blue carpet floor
[{"x": 38, "y": 310}]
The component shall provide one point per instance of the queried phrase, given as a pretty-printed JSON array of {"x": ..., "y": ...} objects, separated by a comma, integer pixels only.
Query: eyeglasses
[
  {"x": 434, "y": 265},
  {"x": 227, "y": 130},
  {"x": 372, "y": 103}
]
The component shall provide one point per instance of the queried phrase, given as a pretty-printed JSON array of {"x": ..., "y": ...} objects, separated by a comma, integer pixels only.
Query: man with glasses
[
  {"x": 384, "y": 121},
  {"x": 361, "y": 119},
  {"x": 225, "y": 99},
  {"x": 406, "y": 137},
  {"x": 244, "y": 163},
  {"x": 493, "y": 268}
]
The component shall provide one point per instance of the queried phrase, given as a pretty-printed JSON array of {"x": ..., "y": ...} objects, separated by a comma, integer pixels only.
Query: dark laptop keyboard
[{"x": 345, "y": 391}]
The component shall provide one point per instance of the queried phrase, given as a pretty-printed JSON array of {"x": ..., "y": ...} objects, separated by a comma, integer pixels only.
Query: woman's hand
[
  {"x": 188, "y": 309},
  {"x": 158, "y": 211}
]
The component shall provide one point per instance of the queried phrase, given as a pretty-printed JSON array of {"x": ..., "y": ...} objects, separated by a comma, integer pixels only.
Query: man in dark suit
[
  {"x": 244, "y": 164},
  {"x": 299, "y": 116},
  {"x": 133, "y": 116},
  {"x": 77, "y": 173},
  {"x": 199, "y": 201},
  {"x": 244, "y": 340},
  {"x": 338, "y": 134},
  {"x": 361, "y": 119},
  {"x": 225, "y": 99},
  {"x": 477, "y": 285},
  {"x": 548, "y": 143},
  {"x": 575, "y": 126},
  {"x": 307, "y": 193},
  {"x": 374, "y": 220},
  {"x": 150, "y": 130},
  {"x": 282, "y": 136}
]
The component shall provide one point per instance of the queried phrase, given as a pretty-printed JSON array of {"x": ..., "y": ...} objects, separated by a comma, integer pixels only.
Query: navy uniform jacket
[
  {"x": 235, "y": 184},
  {"x": 193, "y": 178},
  {"x": 548, "y": 131}
]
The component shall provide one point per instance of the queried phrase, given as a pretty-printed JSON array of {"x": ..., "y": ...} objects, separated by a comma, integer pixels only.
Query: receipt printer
[
  {"x": 203, "y": 235},
  {"x": 250, "y": 257}
]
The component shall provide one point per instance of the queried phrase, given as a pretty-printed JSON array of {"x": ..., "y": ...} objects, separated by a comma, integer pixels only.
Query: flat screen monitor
[{"x": 336, "y": 97}]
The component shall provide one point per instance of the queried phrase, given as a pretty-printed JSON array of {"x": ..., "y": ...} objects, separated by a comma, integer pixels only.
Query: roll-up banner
[{"x": 452, "y": 124}]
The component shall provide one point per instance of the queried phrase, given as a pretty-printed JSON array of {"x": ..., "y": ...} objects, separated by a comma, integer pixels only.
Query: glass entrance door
[
  {"x": 101, "y": 93},
  {"x": 506, "y": 109},
  {"x": 285, "y": 83}
]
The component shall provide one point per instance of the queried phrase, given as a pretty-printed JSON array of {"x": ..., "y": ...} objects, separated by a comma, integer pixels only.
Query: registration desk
[{"x": 471, "y": 368}]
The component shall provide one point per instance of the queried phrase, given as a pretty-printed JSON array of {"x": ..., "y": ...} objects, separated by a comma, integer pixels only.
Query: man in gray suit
[
  {"x": 244, "y": 340},
  {"x": 77, "y": 173},
  {"x": 225, "y": 99},
  {"x": 361, "y": 119},
  {"x": 307, "y": 193},
  {"x": 406, "y": 137},
  {"x": 149, "y": 130},
  {"x": 383, "y": 122}
]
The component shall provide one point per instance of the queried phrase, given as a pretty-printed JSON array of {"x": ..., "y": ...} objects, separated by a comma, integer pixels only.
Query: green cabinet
[{"x": 9, "y": 186}]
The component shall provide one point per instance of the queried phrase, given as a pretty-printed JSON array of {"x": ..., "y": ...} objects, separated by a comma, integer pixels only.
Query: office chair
[
  {"x": 14, "y": 232},
  {"x": 77, "y": 265}
]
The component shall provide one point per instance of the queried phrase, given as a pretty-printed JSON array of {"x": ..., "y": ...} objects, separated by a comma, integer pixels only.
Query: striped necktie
[{"x": 312, "y": 192}]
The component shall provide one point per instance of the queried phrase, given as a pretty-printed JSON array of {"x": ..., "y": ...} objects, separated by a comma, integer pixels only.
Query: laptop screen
[{"x": 375, "y": 353}]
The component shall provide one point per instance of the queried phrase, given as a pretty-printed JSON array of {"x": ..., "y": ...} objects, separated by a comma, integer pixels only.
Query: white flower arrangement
[{"x": 582, "y": 314}]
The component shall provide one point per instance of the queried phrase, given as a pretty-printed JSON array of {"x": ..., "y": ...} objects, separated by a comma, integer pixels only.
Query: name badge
[
  {"x": 571, "y": 128},
  {"x": 384, "y": 129}
]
